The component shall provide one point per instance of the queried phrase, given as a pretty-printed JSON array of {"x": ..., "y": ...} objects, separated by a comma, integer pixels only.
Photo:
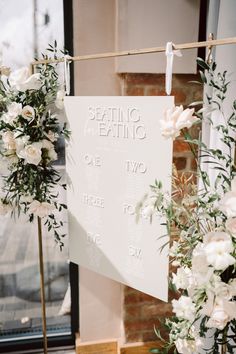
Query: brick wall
[{"x": 140, "y": 310}]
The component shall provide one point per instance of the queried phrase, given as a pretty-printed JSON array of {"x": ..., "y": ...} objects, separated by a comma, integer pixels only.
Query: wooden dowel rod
[{"x": 214, "y": 42}]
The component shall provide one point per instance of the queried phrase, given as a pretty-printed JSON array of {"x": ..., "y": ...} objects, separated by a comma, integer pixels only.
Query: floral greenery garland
[
  {"x": 29, "y": 131},
  {"x": 204, "y": 221}
]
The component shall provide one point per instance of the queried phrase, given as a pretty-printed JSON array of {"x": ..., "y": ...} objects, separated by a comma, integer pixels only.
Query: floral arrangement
[
  {"x": 29, "y": 132},
  {"x": 203, "y": 220}
]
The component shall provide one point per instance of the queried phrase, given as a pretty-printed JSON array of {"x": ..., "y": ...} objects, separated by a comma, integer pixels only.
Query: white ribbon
[
  {"x": 67, "y": 61},
  {"x": 169, "y": 64}
]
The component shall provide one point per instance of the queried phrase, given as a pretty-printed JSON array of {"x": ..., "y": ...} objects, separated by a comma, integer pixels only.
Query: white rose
[
  {"x": 59, "y": 102},
  {"x": 40, "y": 209},
  {"x": 32, "y": 153},
  {"x": 28, "y": 112},
  {"x": 218, "y": 246},
  {"x": 21, "y": 80},
  {"x": 223, "y": 312},
  {"x": 13, "y": 111},
  {"x": 9, "y": 140},
  {"x": 182, "y": 278},
  {"x": 175, "y": 119},
  {"x": 228, "y": 203},
  {"x": 184, "y": 308}
]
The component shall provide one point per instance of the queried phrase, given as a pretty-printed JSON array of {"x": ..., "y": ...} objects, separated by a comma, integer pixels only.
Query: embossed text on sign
[{"x": 116, "y": 151}]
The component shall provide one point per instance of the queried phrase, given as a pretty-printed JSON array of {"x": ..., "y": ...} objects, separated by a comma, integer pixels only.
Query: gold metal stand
[
  {"x": 223, "y": 349},
  {"x": 42, "y": 288}
]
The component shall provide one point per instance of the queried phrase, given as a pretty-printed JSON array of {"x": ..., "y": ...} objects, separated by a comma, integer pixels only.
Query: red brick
[
  {"x": 181, "y": 146},
  {"x": 145, "y": 79},
  {"x": 135, "y": 91},
  {"x": 140, "y": 325},
  {"x": 180, "y": 162},
  {"x": 180, "y": 96},
  {"x": 193, "y": 165},
  {"x": 155, "y": 91}
]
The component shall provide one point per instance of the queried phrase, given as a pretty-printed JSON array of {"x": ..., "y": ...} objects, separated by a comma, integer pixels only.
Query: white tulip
[{"x": 175, "y": 119}]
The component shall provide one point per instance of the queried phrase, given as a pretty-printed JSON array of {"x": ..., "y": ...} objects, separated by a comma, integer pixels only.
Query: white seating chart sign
[{"x": 115, "y": 152}]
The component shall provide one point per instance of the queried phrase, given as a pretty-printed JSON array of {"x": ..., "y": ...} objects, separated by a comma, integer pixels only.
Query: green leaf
[
  {"x": 203, "y": 64},
  {"x": 203, "y": 76}
]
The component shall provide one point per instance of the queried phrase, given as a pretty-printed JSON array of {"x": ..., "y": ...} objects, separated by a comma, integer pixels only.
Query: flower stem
[{"x": 196, "y": 159}]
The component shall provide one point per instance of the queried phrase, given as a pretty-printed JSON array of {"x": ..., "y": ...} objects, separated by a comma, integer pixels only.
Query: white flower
[
  {"x": 4, "y": 208},
  {"x": 59, "y": 102},
  {"x": 52, "y": 155},
  {"x": 184, "y": 308},
  {"x": 40, "y": 209},
  {"x": 51, "y": 136},
  {"x": 231, "y": 226},
  {"x": 28, "y": 113},
  {"x": 9, "y": 140},
  {"x": 175, "y": 119},
  {"x": 218, "y": 246},
  {"x": 228, "y": 203},
  {"x": 21, "y": 80},
  {"x": 223, "y": 311},
  {"x": 46, "y": 144},
  {"x": 188, "y": 346},
  {"x": 13, "y": 111},
  {"x": 182, "y": 278},
  {"x": 31, "y": 153}
]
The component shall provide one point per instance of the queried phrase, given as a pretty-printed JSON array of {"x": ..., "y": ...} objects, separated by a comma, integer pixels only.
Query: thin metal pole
[
  {"x": 184, "y": 46},
  {"x": 42, "y": 288}
]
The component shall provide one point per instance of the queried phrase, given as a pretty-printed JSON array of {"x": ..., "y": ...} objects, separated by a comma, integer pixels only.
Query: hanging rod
[{"x": 184, "y": 46}]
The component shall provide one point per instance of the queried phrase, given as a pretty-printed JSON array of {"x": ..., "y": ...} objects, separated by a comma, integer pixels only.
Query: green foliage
[
  {"x": 193, "y": 212},
  {"x": 26, "y": 181}
]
